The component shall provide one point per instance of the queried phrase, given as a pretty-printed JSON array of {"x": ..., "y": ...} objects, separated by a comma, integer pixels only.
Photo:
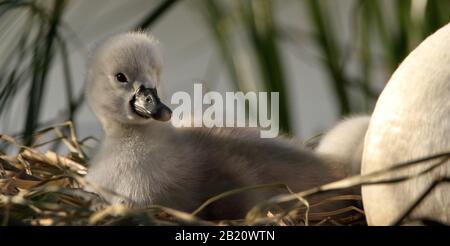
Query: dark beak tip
[
  {"x": 166, "y": 117},
  {"x": 163, "y": 114}
]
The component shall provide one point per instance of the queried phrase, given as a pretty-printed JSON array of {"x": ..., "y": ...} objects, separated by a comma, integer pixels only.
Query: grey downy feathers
[{"x": 148, "y": 161}]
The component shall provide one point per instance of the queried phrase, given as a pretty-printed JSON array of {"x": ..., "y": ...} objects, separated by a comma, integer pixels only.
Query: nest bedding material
[{"x": 41, "y": 187}]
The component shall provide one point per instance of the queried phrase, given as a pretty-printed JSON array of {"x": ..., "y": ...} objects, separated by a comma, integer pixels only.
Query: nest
[{"x": 42, "y": 187}]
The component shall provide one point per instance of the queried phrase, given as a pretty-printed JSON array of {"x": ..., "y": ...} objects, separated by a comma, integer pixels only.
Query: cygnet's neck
[{"x": 150, "y": 129}]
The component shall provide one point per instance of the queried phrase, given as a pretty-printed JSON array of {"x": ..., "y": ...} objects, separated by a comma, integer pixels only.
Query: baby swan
[{"x": 147, "y": 161}]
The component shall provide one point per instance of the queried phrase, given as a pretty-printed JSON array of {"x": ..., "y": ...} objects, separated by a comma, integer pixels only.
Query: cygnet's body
[
  {"x": 150, "y": 162},
  {"x": 411, "y": 121}
]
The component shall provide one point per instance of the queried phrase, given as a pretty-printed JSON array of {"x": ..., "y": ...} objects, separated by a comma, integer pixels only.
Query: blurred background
[{"x": 327, "y": 58}]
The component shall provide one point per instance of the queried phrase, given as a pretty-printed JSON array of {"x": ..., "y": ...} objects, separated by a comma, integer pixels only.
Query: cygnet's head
[{"x": 122, "y": 75}]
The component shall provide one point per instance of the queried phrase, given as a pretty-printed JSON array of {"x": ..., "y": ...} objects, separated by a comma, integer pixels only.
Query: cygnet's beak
[{"x": 147, "y": 104}]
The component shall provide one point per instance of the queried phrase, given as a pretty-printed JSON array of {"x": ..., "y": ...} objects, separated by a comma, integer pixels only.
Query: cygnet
[{"x": 146, "y": 161}]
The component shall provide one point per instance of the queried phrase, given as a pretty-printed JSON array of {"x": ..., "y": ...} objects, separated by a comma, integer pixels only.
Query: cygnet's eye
[{"x": 121, "y": 78}]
